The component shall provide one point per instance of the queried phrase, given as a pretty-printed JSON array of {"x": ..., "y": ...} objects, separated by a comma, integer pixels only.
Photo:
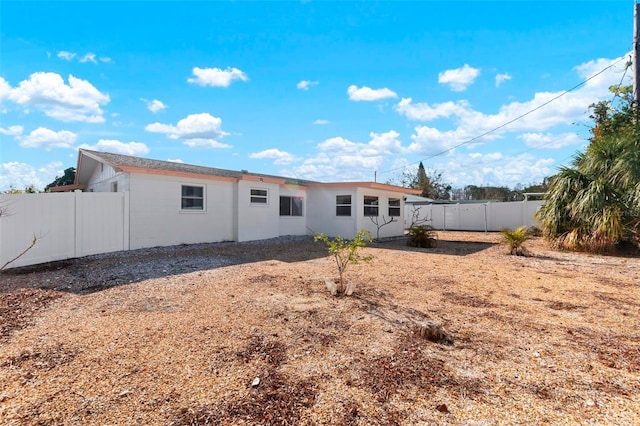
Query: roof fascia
[
  {"x": 146, "y": 171},
  {"x": 264, "y": 179},
  {"x": 372, "y": 185}
]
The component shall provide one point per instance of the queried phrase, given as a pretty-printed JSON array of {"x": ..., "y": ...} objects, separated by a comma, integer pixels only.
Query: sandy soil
[{"x": 248, "y": 334}]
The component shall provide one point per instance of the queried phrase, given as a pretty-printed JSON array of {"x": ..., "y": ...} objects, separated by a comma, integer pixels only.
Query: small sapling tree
[{"x": 345, "y": 252}]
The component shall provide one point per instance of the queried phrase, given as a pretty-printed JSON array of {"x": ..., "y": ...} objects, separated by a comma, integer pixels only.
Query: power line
[
  {"x": 617, "y": 92},
  {"x": 516, "y": 154},
  {"x": 475, "y": 138}
]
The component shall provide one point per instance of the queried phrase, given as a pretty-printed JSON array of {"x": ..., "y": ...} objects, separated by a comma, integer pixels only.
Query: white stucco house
[{"x": 174, "y": 203}]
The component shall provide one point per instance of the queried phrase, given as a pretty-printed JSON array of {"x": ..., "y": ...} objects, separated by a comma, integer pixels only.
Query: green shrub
[{"x": 423, "y": 236}]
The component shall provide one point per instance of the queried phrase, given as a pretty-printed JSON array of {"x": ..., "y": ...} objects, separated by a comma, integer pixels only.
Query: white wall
[
  {"x": 321, "y": 212},
  {"x": 258, "y": 221},
  {"x": 158, "y": 220},
  {"x": 478, "y": 217},
  {"x": 68, "y": 225},
  {"x": 102, "y": 177},
  {"x": 392, "y": 229},
  {"x": 294, "y": 225}
]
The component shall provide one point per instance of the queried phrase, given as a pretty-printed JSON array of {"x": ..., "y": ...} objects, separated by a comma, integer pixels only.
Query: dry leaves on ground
[{"x": 247, "y": 334}]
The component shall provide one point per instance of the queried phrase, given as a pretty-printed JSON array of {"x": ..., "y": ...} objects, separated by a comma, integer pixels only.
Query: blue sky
[{"x": 328, "y": 91}]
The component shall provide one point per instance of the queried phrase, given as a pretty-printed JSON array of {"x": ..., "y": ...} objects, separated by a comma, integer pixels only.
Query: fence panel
[
  {"x": 49, "y": 217},
  {"x": 505, "y": 215},
  {"x": 67, "y": 225},
  {"x": 477, "y": 217}
]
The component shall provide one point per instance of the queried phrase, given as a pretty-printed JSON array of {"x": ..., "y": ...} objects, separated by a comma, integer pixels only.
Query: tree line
[{"x": 433, "y": 186}]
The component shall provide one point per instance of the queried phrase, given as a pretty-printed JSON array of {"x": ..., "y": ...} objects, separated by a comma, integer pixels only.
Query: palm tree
[
  {"x": 594, "y": 203},
  {"x": 515, "y": 238}
]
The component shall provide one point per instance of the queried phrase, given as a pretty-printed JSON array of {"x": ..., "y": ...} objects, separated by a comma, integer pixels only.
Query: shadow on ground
[
  {"x": 95, "y": 273},
  {"x": 446, "y": 247}
]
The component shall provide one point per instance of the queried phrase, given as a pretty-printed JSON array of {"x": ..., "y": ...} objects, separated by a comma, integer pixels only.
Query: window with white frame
[
  {"x": 343, "y": 205},
  {"x": 114, "y": 186},
  {"x": 192, "y": 197},
  {"x": 290, "y": 206},
  {"x": 259, "y": 196},
  {"x": 394, "y": 207},
  {"x": 370, "y": 205}
]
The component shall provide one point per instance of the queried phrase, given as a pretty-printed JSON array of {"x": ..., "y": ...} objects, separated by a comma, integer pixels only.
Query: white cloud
[
  {"x": 216, "y": 77},
  {"x": 280, "y": 157},
  {"x": 175, "y": 160},
  {"x": 67, "y": 56},
  {"x": 426, "y": 112},
  {"x": 529, "y": 116},
  {"x": 321, "y": 121},
  {"x": 197, "y": 130},
  {"x": 501, "y": 78},
  {"x": 550, "y": 141},
  {"x": 306, "y": 84},
  {"x": 384, "y": 143},
  {"x": 5, "y": 89},
  {"x": 368, "y": 94},
  {"x": 48, "y": 139},
  {"x": 495, "y": 169},
  {"x": 430, "y": 141},
  {"x": 339, "y": 144},
  {"x": 342, "y": 159},
  {"x": 89, "y": 57},
  {"x": 205, "y": 143},
  {"x": 117, "y": 147},
  {"x": 78, "y": 101},
  {"x": 21, "y": 175},
  {"x": 12, "y": 131},
  {"x": 459, "y": 79},
  {"x": 154, "y": 105}
]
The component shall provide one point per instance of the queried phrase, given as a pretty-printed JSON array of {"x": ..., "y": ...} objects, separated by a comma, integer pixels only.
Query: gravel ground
[{"x": 98, "y": 272}]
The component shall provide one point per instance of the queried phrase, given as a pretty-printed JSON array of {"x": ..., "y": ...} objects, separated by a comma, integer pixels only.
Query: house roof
[
  {"x": 66, "y": 188},
  {"x": 416, "y": 199},
  {"x": 127, "y": 163}
]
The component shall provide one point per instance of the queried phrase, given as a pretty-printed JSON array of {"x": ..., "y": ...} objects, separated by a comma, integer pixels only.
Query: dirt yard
[{"x": 248, "y": 334}]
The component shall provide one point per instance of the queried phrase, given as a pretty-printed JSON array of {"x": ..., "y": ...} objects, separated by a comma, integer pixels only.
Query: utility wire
[
  {"x": 475, "y": 138},
  {"x": 617, "y": 92},
  {"x": 515, "y": 154}
]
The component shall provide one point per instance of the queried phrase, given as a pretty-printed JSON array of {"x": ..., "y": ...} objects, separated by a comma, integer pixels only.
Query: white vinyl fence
[
  {"x": 67, "y": 225},
  {"x": 476, "y": 217},
  {"x": 76, "y": 224}
]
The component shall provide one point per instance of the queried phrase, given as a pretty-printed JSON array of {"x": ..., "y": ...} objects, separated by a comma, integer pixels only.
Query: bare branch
[
  {"x": 33, "y": 243},
  {"x": 375, "y": 221},
  {"x": 415, "y": 217}
]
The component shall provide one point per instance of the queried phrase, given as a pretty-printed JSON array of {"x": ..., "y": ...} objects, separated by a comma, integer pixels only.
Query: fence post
[
  {"x": 444, "y": 217},
  {"x": 485, "y": 217},
  {"x": 125, "y": 222},
  {"x": 77, "y": 248}
]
